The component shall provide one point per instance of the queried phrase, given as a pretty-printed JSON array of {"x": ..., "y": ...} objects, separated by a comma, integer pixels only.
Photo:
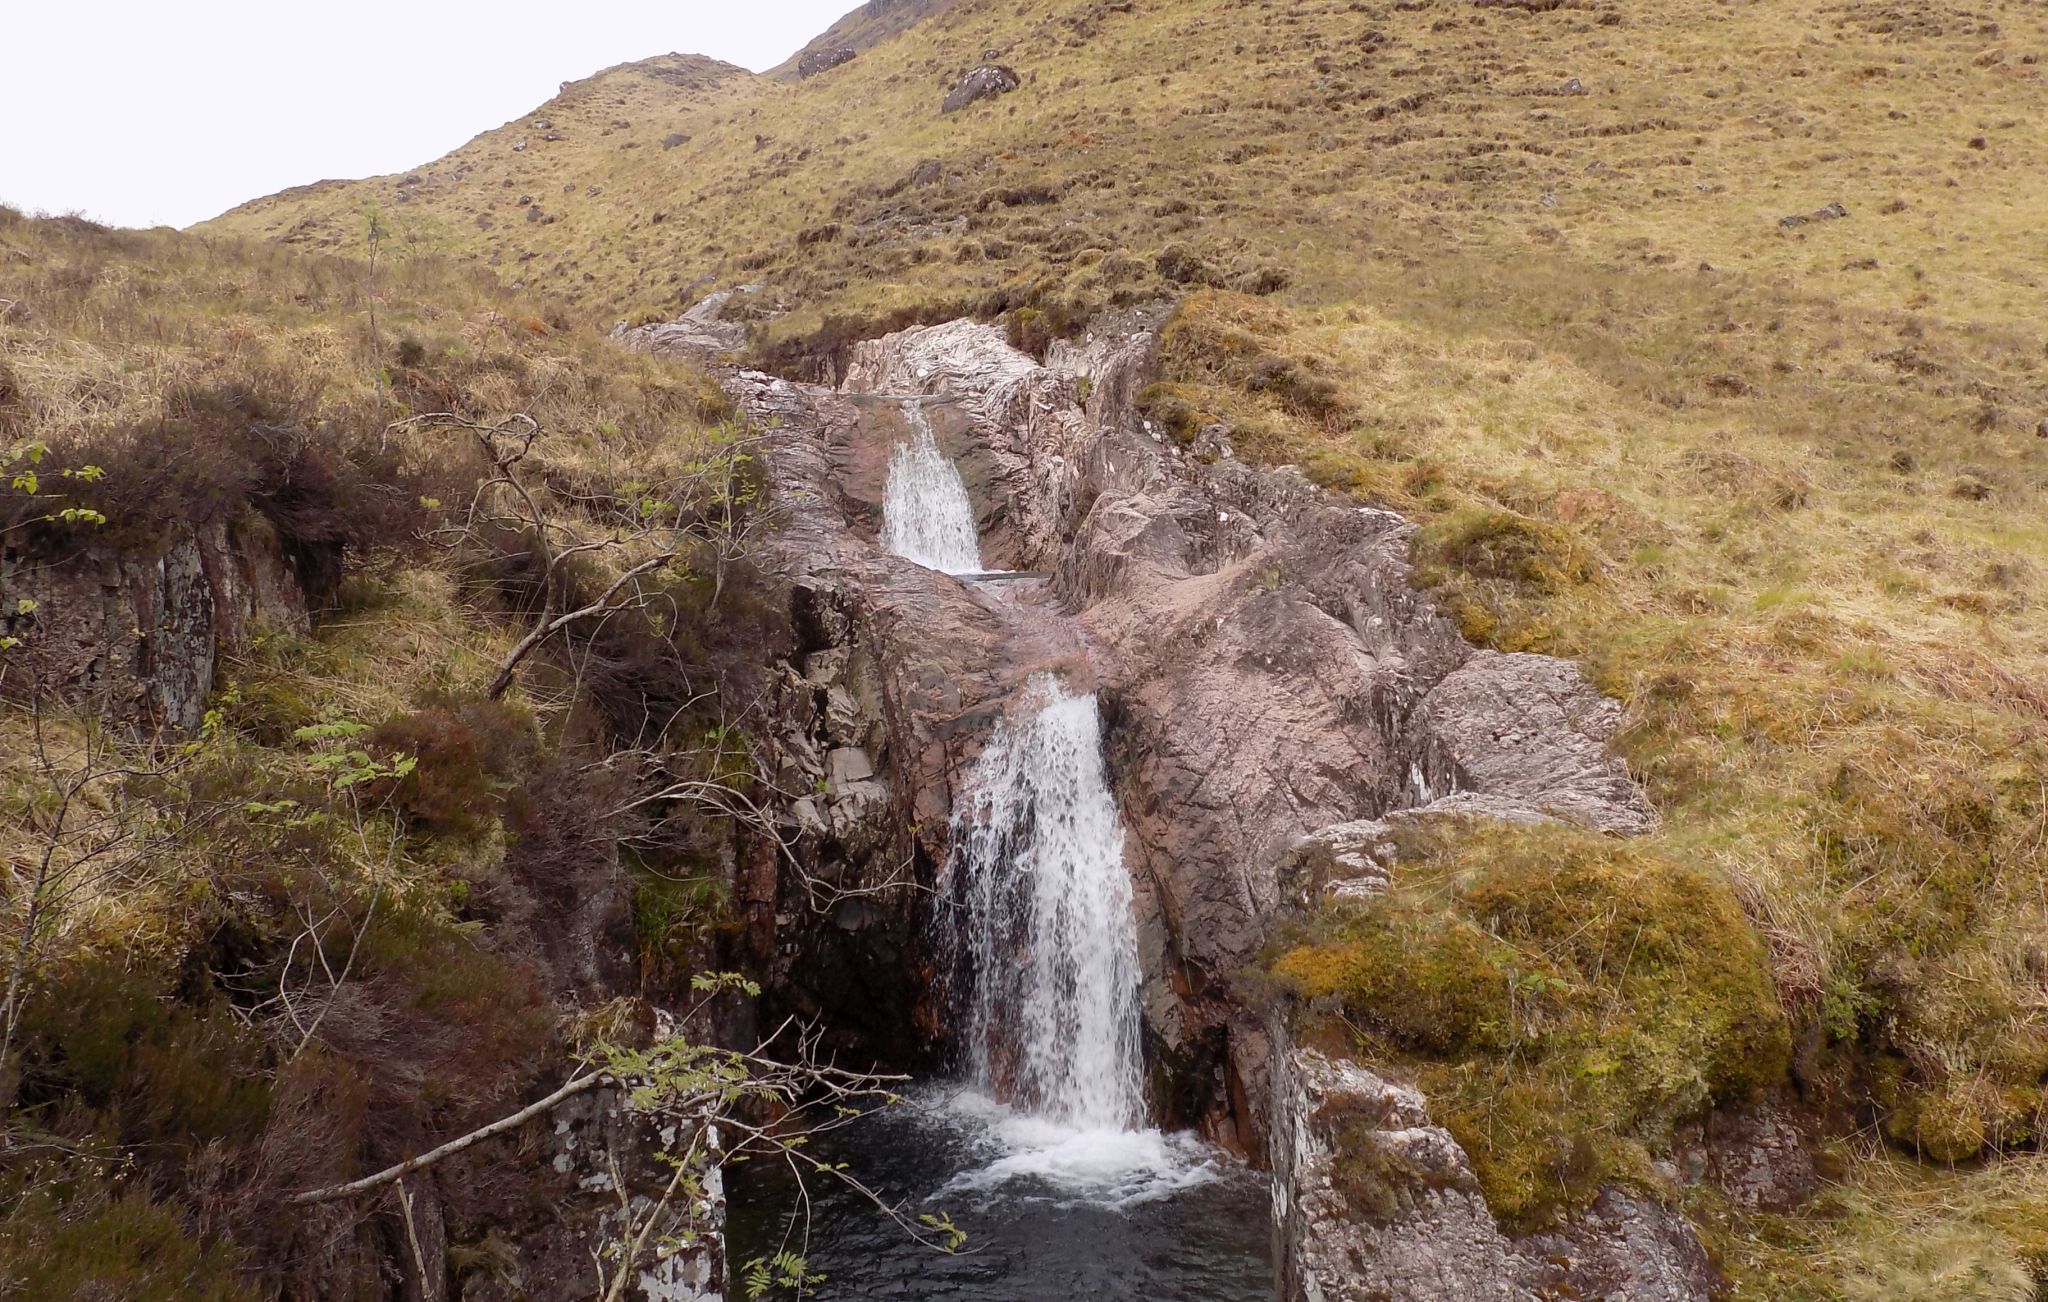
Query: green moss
[
  {"x": 1566, "y": 999},
  {"x": 1492, "y": 570},
  {"x": 1922, "y": 844},
  {"x": 1173, "y": 409},
  {"x": 1506, "y": 547},
  {"x": 671, "y": 917}
]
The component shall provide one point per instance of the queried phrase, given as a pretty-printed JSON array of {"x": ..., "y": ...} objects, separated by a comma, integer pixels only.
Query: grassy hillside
[
  {"x": 326, "y": 932},
  {"x": 1706, "y": 340}
]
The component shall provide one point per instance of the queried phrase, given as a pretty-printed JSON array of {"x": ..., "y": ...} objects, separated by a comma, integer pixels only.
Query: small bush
[
  {"x": 1503, "y": 546},
  {"x": 1183, "y": 266},
  {"x": 1030, "y": 332},
  {"x": 164, "y": 1074},
  {"x": 459, "y": 776},
  {"x": 78, "y": 1235}
]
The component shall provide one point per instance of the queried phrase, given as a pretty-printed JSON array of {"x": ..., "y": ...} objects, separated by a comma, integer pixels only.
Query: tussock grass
[{"x": 1565, "y": 1001}]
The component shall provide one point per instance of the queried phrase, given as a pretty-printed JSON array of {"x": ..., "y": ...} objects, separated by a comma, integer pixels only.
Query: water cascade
[
  {"x": 1045, "y": 919},
  {"x": 1043, "y": 1148},
  {"x": 926, "y": 516}
]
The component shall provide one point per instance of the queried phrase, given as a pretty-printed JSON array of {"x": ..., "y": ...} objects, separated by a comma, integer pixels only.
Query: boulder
[
  {"x": 1372, "y": 1202},
  {"x": 989, "y": 80},
  {"x": 814, "y": 62},
  {"x": 701, "y": 334}
]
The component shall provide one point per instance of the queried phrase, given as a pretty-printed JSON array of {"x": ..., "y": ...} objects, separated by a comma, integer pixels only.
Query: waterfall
[
  {"x": 926, "y": 516},
  {"x": 1043, "y": 915}
]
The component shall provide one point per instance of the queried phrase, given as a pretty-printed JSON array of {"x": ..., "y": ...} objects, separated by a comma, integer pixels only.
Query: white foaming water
[
  {"x": 1107, "y": 1165},
  {"x": 1043, "y": 916},
  {"x": 926, "y": 516}
]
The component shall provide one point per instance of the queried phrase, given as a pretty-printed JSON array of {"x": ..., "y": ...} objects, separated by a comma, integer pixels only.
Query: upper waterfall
[
  {"x": 926, "y": 516},
  {"x": 1044, "y": 915}
]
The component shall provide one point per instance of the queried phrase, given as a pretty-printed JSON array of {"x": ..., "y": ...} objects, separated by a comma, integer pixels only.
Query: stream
[{"x": 1040, "y": 1151}]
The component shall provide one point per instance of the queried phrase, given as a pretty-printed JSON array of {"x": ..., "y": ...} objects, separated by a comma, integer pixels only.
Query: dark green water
[{"x": 1052, "y": 1214}]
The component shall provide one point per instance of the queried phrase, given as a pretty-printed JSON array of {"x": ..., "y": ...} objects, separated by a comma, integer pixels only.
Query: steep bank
[{"x": 291, "y": 895}]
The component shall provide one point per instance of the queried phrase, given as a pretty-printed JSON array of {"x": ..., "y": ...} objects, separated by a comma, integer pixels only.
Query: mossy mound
[{"x": 1566, "y": 1000}]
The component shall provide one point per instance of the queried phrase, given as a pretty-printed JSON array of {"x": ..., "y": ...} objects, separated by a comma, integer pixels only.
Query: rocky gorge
[
  {"x": 1282, "y": 708},
  {"x": 1278, "y": 699}
]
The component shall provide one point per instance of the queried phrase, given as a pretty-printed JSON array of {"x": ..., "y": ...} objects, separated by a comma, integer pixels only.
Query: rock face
[
  {"x": 985, "y": 82},
  {"x": 136, "y": 636},
  {"x": 813, "y": 62},
  {"x": 702, "y": 332},
  {"x": 1269, "y": 670},
  {"x": 1277, "y": 697},
  {"x": 1373, "y": 1203},
  {"x": 578, "y": 1154}
]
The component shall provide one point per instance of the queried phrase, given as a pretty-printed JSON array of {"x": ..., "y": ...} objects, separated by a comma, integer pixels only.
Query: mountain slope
[
  {"x": 1305, "y": 134},
  {"x": 524, "y": 198},
  {"x": 1705, "y": 341},
  {"x": 863, "y": 29}
]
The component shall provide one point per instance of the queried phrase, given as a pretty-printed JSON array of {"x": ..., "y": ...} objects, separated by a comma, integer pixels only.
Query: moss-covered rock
[{"x": 1565, "y": 999}]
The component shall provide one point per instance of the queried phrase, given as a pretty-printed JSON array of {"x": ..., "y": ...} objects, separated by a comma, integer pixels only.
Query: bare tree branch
[{"x": 452, "y": 1147}]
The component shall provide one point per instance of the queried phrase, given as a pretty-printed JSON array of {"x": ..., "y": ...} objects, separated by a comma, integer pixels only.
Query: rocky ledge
[{"x": 1373, "y": 1201}]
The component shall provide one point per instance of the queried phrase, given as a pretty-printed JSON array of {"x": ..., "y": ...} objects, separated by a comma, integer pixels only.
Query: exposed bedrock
[
  {"x": 1268, "y": 670},
  {"x": 136, "y": 636},
  {"x": 1277, "y": 695},
  {"x": 1374, "y": 1201}
]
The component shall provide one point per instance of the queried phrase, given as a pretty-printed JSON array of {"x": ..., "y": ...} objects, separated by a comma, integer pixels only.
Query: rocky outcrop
[
  {"x": 865, "y": 27},
  {"x": 1269, "y": 668},
  {"x": 1280, "y": 701},
  {"x": 137, "y": 636},
  {"x": 594, "y": 1169},
  {"x": 812, "y": 62},
  {"x": 1373, "y": 1202},
  {"x": 985, "y": 82},
  {"x": 702, "y": 332}
]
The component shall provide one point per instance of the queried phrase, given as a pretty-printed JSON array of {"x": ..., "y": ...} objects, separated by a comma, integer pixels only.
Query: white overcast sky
[{"x": 141, "y": 112}]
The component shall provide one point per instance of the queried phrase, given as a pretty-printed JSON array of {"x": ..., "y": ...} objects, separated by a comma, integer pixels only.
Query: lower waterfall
[
  {"x": 1035, "y": 917},
  {"x": 1042, "y": 914}
]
